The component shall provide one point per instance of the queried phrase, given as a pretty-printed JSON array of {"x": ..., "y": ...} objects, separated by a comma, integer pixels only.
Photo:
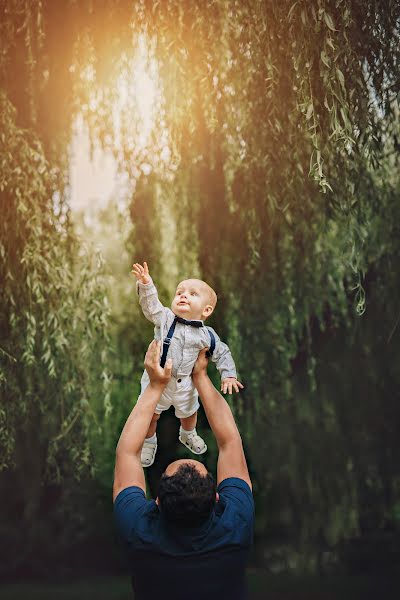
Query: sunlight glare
[
  {"x": 93, "y": 178},
  {"x": 136, "y": 111},
  {"x": 138, "y": 90}
]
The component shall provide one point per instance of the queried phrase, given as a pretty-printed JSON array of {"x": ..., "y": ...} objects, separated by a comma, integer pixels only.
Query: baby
[{"x": 184, "y": 335}]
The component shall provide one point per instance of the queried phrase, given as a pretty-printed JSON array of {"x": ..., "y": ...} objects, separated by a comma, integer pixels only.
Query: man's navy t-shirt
[{"x": 204, "y": 562}]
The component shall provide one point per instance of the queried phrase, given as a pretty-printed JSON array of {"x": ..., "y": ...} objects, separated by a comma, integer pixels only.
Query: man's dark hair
[{"x": 187, "y": 497}]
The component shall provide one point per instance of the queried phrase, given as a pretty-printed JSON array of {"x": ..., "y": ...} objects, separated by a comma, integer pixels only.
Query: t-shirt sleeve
[
  {"x": 129, "y": 507},
  {"x": 237, "y": 499}
]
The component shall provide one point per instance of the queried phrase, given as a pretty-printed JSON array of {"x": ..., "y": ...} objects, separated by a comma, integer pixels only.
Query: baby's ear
[{"x": 207, "y": 311}]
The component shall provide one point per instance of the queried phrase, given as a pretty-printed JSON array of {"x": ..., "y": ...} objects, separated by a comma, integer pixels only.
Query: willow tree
[
  {"x": 53, "y": 376},
  {"x": 280, "y": 124},
  {"x": 286, "y": 116}
]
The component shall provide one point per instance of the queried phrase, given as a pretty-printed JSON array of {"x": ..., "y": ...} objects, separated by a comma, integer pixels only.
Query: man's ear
[
  {"x": 207, "y": 310},
  {"x": 216, "y": 497},
  {"x": 157, "y": 501}
]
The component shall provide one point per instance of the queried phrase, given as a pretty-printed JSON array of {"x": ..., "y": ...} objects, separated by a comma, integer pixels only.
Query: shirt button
[{"x": 179, "y": 380}]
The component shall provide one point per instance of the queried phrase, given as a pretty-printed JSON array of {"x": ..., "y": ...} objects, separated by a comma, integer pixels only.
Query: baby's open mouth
[{"x": 182, "y": 303}]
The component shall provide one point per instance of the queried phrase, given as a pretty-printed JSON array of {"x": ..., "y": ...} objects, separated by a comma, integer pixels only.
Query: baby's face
[{"x": 192, "y": 300}]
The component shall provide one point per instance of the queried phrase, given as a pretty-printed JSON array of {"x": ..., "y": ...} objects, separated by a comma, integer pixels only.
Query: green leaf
[
  {"x": 325, "y": 59},
  {"x": 340, "y": 76},
  {"x": 329, "y": 22}
]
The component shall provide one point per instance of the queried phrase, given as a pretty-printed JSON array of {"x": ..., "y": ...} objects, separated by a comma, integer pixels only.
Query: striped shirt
[{"x": 187, "y": 341}]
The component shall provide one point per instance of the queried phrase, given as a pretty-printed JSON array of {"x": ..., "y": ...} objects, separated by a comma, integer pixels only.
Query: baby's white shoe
[
  {"x": 191, "y": 440},
  {"x": 148, "y": 452}
]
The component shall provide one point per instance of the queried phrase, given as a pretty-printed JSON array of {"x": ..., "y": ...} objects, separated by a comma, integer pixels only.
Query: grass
[
  {"x": 261, "y": 585},
  {"x": 99, "y": 588}
]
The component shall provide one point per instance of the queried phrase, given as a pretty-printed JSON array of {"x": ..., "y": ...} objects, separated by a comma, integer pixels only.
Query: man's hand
[
  {"x": 141, "y": 272},
  {"x": 159, "y": 376},
  {"x": 200, "y": 366},
  {"x": 230, "y": 383}
]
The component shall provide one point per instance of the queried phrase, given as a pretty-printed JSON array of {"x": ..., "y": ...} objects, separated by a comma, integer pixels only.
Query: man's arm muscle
[
  {"x": 231, "y": 458},
  {"x": 128, "y": 466}
]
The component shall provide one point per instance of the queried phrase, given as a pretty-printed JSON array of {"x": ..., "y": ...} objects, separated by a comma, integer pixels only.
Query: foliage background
[{"x": 280, "y": 124}]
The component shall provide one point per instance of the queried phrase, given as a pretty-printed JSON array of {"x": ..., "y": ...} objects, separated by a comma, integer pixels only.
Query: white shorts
[{"x": 179, "y": 393}]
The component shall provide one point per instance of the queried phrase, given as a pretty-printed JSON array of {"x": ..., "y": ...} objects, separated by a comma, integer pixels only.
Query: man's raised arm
[
  {"x": 128, "y": 466},
  {"x": 231, "y": 458}
]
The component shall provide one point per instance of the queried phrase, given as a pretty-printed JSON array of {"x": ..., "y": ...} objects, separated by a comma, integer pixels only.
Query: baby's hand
[
  {"x": 141, "y": 273},
  {"x": 230, "y": 382}
]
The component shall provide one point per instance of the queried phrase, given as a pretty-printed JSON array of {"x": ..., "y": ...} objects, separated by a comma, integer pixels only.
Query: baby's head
[{"x": 194, "y": 300}]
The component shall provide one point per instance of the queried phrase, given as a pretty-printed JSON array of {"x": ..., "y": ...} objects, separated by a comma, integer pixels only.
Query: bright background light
[{"x": 94, "y": 179}]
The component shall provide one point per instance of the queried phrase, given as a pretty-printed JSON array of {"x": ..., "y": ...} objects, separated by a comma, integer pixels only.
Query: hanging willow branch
[{"x": 280, "y": 121}]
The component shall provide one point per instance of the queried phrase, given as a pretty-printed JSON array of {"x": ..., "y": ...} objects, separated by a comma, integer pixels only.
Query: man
[{"x": 191, "y": 543}]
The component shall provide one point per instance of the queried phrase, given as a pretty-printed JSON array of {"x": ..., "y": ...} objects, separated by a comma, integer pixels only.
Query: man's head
[
  {"x": 194, "y": 299},
  {"x": 187, "y": 493}
]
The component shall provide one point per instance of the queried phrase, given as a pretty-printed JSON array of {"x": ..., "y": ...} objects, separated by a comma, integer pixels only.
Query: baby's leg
[
  {"x": 189, "y": 423},
  {"x": 149, "y": 448},
  {"x": 153, "y": 425},
  {"x": 186, "y": 403},
  {"x": 188, "y": 435},
  {"x": 150, "y": 443}
]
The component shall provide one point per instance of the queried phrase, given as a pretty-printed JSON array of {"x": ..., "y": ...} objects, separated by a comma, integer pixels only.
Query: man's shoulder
[
  {"x": 236, "y": 503},
  {"x": 235, "y": 482},
  {"x": 132, "y": 511},
  {"x": 130, "y": 492},
  {"x": 131, "y": 499},
  {"x": 236, "y": 488}
]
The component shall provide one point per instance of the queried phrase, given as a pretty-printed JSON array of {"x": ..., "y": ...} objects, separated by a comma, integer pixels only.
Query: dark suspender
[
  {"x": 167, "y": 343},
  {"x": 212, "y": 345}
]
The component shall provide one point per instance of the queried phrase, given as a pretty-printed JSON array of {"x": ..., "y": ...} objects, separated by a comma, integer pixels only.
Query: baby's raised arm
[
  {"x": 152, "y": 308},
  {"x": 141, "y": 272}
]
